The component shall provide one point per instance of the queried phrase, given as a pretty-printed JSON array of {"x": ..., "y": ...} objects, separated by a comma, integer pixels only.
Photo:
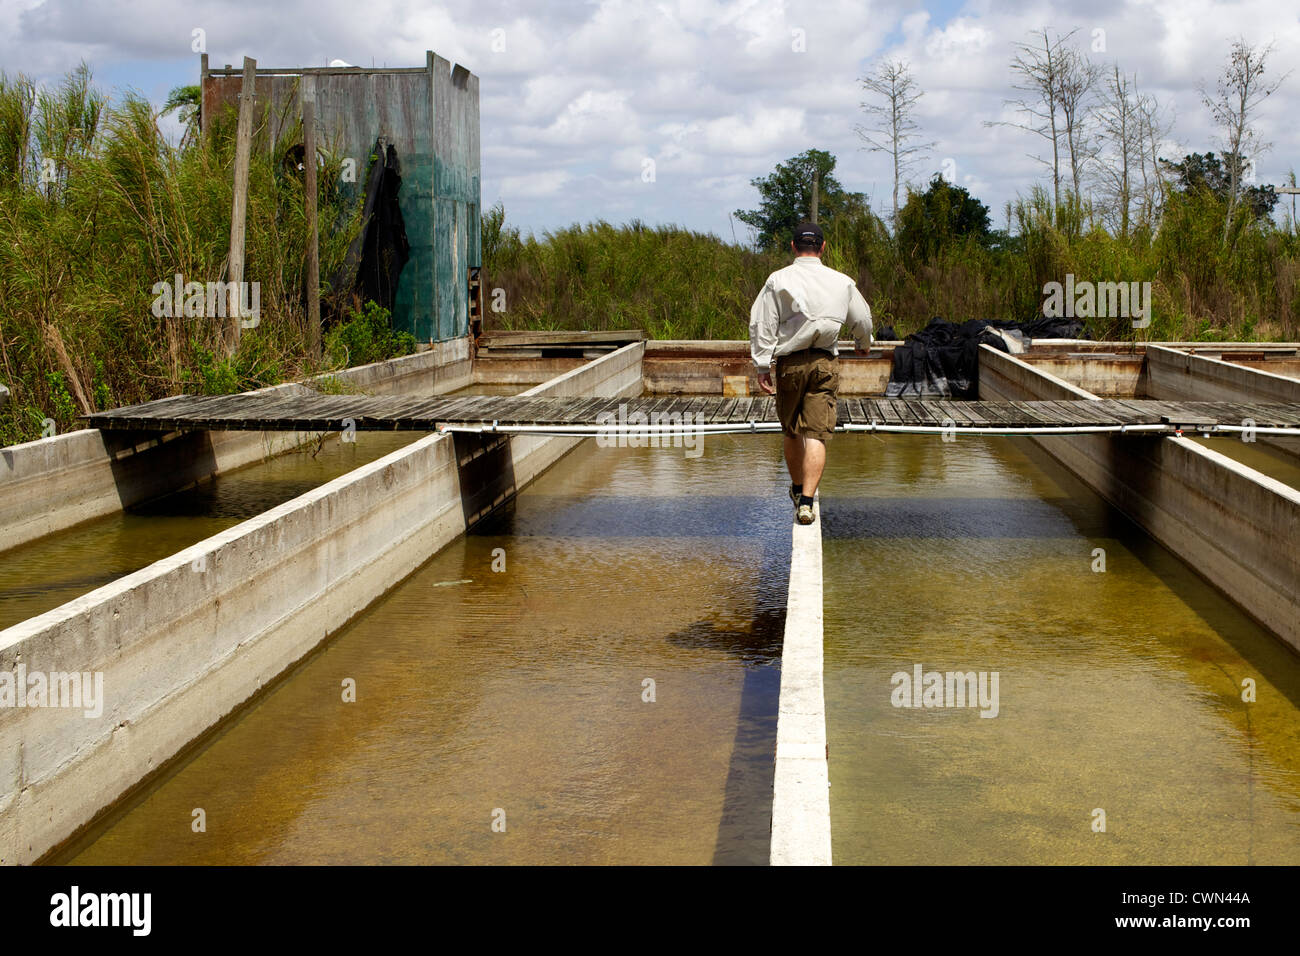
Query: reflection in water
[
  {"x": 609, "y": 689},
  {"x": 55, "y": 569},
  {"x": 1120, "y": 691}
]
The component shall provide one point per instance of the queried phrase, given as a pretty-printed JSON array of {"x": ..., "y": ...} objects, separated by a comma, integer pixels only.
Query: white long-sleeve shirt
[{"x": 805, "y": 306}]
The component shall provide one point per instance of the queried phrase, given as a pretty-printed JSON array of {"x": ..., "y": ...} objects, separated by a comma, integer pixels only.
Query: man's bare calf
[{"x": 806, "y": 460}]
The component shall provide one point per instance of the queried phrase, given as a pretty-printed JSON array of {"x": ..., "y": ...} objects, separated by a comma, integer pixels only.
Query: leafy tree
[
  {"x": 185, "y": 102},
  {"x": 786, "y": 198},
  {"x": 939, "y": 217},
  {"x": 1207, "y": 172}
]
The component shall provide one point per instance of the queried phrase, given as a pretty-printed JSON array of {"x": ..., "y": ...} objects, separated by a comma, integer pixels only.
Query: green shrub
[{"x": 366, "y": 336}]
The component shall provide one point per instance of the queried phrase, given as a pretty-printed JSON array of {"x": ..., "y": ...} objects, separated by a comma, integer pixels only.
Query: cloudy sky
[{"x": 577, "y": 96}]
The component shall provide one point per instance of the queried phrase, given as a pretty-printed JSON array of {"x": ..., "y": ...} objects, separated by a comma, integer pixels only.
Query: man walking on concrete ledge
[{"x": 794, "y": 323}]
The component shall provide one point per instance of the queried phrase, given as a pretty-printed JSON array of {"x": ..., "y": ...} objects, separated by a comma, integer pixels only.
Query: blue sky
[{"x": 715, "y": 93}]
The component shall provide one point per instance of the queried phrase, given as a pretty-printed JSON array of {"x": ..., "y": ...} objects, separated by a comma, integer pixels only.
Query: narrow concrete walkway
[{"x": 801, "y": 806}]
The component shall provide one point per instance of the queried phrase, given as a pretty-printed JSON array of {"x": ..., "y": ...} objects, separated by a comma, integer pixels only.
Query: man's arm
[
  {"x": 859, "y": 320},
  {"x": 764, "y": 319}
]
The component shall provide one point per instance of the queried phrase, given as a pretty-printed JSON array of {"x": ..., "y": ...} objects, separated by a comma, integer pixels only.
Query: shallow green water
[
  {"x": 518, "y": 694},
  {"x": 52, "y": 570},
  {"x": 1119, "y": 691},
  {"x": 1269, "y": 461}
]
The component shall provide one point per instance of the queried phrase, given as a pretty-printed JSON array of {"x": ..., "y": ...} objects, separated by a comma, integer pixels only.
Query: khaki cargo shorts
[{"x": 805, "y": 393}]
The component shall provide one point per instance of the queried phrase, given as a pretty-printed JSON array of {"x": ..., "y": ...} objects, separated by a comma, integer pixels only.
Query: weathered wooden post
[
  {"x": 307, "y": 93},
  {"x": 205, "y": 125},
  {"x": 239, "y": 212}
]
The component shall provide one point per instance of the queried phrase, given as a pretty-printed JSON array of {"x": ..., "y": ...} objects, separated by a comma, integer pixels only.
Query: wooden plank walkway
[{"x": 387, "y": 413}]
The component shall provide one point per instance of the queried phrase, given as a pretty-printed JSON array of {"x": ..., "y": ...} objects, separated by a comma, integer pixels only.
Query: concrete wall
[
  {"x": 1124, "y": 369},
  {"x": 531, "y": 369},
  {"x": 54, "y": 483},
  {"x": 443, "y": 367},
  {"x": 1281, "y": 358},
  {"x": 1234, "y": 526},
  {"x": 1177, "y": 376},
  {"x": 704, "y": 368},
  {"x": 1105, "y": 375},
  {"x": 184, "y": 642},
  {"x": 1278, "y": 366}
]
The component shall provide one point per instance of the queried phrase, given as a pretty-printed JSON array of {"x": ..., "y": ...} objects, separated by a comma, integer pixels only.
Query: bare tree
[
  {"x": 891, "y": 128},
  {"x": 1119, "y": 137},
  {"x": 1290, "y": 181},
  {"x": 1154, "y": 125},
  {"x": 1131, "y": 128},
  {"x": 1077, "y": 78},
  {"x": 1039, "y": 67},
  {"x": 1238, "y": 94}
]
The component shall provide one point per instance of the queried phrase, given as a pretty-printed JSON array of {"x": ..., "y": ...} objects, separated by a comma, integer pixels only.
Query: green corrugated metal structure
[{"x": 431, "y": 115}]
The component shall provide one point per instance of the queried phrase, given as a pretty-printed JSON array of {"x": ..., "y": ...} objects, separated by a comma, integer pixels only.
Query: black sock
[
  {"x": 805, "y": 500},
  {"x": 796, "y": 489}
]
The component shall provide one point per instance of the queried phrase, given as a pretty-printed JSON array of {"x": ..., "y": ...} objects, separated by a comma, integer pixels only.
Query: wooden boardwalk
[{"x": 366, "y": 413}]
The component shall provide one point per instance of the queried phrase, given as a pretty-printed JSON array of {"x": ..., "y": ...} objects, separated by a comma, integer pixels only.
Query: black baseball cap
[{"x": 808, "y": 234}]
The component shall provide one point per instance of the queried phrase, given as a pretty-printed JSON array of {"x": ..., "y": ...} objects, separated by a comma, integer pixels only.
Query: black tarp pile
[{"x": 942, "y": 360}]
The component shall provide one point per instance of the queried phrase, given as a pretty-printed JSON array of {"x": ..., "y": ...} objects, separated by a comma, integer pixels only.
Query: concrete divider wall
[
  {"x": 801, "y": 809},
  {"x": 1234, "y": 526},
  {"x": 1106, "y": 376},
  {"x": 55, "y": 483},
  {"x": 443, "y": 367},
  {"x": 1180, "y": 377},
  {"x": 515, "y": 370},
  {"x": 184, "y": 642}
]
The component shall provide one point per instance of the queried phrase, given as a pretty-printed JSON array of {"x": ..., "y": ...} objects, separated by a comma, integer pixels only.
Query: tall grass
[
  {"x": 95, "y": 208},
  {"x": 674, "y": 283},
  {"x": 671, "y": 282}
]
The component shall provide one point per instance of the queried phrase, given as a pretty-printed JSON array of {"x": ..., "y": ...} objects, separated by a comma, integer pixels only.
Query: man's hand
[
  {"x": 765, "y": 382},
  {"x": 860, "y": 350}
]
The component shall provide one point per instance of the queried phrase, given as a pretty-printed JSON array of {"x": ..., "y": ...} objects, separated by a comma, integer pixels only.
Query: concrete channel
[
  {"x": 1235, "y": 526},
  {"x": 183, "y": 643}
]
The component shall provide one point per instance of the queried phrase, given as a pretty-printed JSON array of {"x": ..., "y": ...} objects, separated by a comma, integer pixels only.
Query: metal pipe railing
[{"x": 746, "y": 428}]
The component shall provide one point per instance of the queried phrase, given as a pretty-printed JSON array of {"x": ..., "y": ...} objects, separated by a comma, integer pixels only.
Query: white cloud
[
  {"x": 535, "y": 185},
  {"x": 711, "y": 89},
  {"x": 755, "y": 133},
  {"x": 961, "y": 39}
]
